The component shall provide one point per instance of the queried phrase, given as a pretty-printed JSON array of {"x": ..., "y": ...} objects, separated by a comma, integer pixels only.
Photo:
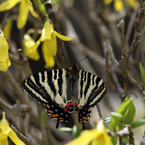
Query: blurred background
[{"x": 93, "y": 23}]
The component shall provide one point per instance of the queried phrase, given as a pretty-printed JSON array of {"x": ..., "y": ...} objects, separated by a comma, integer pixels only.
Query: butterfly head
[{"x": 74, "y": 68}]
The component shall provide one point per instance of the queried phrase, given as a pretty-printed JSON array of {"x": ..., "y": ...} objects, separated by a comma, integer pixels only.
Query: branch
[
  {"x": 120, "y": 26},
  {"x": 141, "y": 14},
  {"x": 21, "y": 136},
  {"x": 127, "y": 131},
  {"x": 43, "y": 18}
]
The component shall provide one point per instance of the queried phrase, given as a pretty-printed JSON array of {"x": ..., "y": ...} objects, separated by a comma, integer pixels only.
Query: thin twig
[
  {"x": 120, "y": 26},
  {"x": 21, "y": 136},
  {"x": 141, "y": 14},
  {"x": 122, "y": 133},
  {"x": 43, "y": 18},
  {"x": 121, "y": 67},
  {"x": 129, "y": 28},
  {"x": 141, "y": 3},
  {"x": 99, "y": 111},
  {"x": 108, "y": 71}
]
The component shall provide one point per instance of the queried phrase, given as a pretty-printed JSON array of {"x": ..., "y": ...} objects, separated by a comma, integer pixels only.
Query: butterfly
[{"x": 62, "y": 91}]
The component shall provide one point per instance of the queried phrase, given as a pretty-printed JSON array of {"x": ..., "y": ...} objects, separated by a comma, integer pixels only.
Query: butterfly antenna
[
  {"x": 83, "y": 59},
  {"x": 64, "y": 56}
]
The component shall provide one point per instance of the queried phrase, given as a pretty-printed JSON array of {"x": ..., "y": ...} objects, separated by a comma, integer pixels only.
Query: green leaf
[
  {"x": 138, "y": 123},
  {"x": 120, "y": 125},
  {"x": 114, "y": 140},
  {"x": 125, "y": 139},
  {"x": 65, "y": 129},
  {"x": 75, "y": 131},
  {"x": 116, "y": 116},
  {"x": 143, "y": 92},
  {"x": 142, "y": 73},
  {"x": 129, "y": 114},
  {"x": 114, "y": 121},
  {"x": 123, "y": 107},
  {"x": 57, "y": 2},
  {"x": 108, "y": 120}
]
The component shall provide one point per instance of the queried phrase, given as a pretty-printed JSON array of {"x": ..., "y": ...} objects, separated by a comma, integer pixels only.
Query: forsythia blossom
[
  {"x": 28, "y": 42},
  {"x": 49, "y": 46},
  {"x": 6, "y": 131},
  {"x": 7, "y": 28},
  {"x": 4, "y": 58},
  {"x": 118, "y": 4},
  {"x": 97, "y": 136},
  {"x": 24, "y": 9}
]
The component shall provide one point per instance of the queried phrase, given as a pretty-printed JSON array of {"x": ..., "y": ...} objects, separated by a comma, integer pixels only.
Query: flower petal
[
  {"x": 47, "y": 31},
  {"x": 35, "y": 45},
  {"x": 33, "y": 13},
  {"x": 62, "y": 37},
  {"x": 3, "y": 49},
  {"x": 85, "y": 138},
  {"x": 107, "y": 2},
  {"x": 118, "y": 4},
  {"x": 6, "y": 5},
  {"x": 14, "y": 138},
  {"x": 51, "y": 45},
  {"x": 5, "y": 65},
  {"x": 7, "y": 28},
  {"x": 28, "y": 43},
  {"x": 49, "y": 60},
  {"x": 23, "y": 14},
  {"x": 4, "y": 141},
  {"x": 5, "y": 128}
]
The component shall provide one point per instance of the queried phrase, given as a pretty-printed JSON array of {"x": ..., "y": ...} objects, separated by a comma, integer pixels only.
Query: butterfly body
[{"x": 62, "y": 91}]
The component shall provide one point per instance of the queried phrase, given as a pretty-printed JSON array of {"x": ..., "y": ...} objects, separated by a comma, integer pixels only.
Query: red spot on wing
[
  {"x": 67, "y": 106},
  {"x": 76, "y": 104}
]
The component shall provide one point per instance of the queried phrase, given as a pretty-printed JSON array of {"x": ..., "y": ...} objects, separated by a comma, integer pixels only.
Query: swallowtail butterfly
[{"x": 62, "y": 91}]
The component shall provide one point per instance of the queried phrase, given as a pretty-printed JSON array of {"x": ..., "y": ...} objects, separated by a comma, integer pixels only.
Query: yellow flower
[
  {"x": 4, "y": 58},
  {"x": 49, "y": 60},
  {"x": 97, "y": 136},
  {"x": 24, "y": 8},
  {"x": 6, "y": 131},
  {"x": 7, "y": 28},
  {"x": 118, "y": 4},
  {"x": 28, "y": 42},
  {"x": 49, "y": 47}
]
